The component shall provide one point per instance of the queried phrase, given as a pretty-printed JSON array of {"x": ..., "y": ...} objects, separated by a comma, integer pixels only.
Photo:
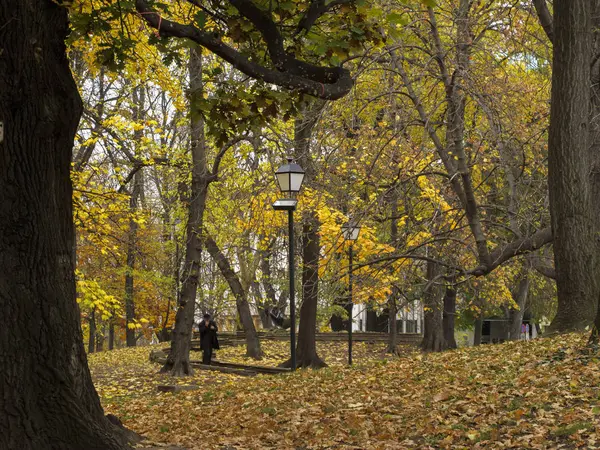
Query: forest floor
[{"x": 538, "y": 394}]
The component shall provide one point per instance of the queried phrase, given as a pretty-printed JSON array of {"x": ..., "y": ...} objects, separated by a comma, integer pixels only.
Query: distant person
[{"x": 208, "y": 338}]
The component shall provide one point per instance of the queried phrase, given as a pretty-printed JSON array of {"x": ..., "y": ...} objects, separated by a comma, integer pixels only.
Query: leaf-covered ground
[{"x": 538, "y": 394}]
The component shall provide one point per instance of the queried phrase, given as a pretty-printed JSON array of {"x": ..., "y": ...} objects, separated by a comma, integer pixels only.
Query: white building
[{"x": 408, "y": 319}]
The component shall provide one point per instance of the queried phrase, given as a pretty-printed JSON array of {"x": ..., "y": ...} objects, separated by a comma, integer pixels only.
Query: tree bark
[
  {"x": 92, "y": 334},
  {"x": 516, "y": 315},
  {"x": 267, "y": 283},
  {"x": 178, "y": 361},
  {"x": 478, "y": 330},
  {"x": 47, "y": 399},
  {"x": 129, "y": 278},
  {"x": 253, "y": 349},
  {"x": 571, "y": 209},
  {"x": 306, "y": 349},
  {"x": 392, "y": 345},
  {"x": 433, "y": 333},
  {"x": 448, "y": 316},
  {"x": 100, "y": 337},
  {"x": 595, "y": 151},
  {"x": 165, "y": 332},
  {"x": 136, "y": 191},
  {"x": 111, "y": 334}
]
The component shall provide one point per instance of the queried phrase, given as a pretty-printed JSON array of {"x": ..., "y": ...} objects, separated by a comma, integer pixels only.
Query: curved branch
[
  {"x": 524, "y": 245},
  {"x": 315, "y": 10},
  {"x": 327, "y": 83}
]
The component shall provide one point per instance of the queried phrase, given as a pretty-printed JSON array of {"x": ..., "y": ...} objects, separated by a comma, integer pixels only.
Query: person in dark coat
[{"x": 208, "y": 338}]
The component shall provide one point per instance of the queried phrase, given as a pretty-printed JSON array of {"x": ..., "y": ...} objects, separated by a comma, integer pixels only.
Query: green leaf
[
  {"x": 395, "y": 18},
  {"x": 200, "y": 18}
]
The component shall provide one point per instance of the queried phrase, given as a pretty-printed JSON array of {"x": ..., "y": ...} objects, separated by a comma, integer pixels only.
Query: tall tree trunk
[
  {"x": 448, "y": 316},
  {"x": 392, "y": 345},
  {"x": 595, "y": 151},
  {"x": 478, "y": 330},
  {"x": 47, "y": 397},
  {"x": 516, "y": 315},
  {"x": 433, "y": 333},
  {"x": 253, "y": 349},
  {"x": 306, "y": 349},
  {"x": 267, "y": 282},
  {"x": 100, "y": 335},
  {"x": 573, "y": 221},
  {"x": 92, "y": 334},
  {"x": 165, "y": 332},
  {"x": 131, "y": 253},
  {"x": 178, "y": 361},
  {"x": 139, "y": 99},
  {"x": 111, "y": 334}
]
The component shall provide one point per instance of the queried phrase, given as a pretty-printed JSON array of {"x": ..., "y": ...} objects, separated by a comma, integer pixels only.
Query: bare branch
[{"x": 217, "y": 162}]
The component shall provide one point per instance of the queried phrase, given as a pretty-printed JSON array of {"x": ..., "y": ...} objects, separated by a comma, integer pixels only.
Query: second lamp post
[
  {"x": 289, "y": 178},
  {"x": 350, "y": 231}
]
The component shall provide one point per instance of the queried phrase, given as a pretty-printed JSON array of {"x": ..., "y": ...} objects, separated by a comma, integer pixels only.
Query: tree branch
[
  {"x": 524, "y": 245},
  {"x": 137, "y": 167},
  {"x": 329, "y": 83},
  {"x": 315, "y": 10},
  {"x": 217, "y": 162},
  {"x": 545, "y": 18}
]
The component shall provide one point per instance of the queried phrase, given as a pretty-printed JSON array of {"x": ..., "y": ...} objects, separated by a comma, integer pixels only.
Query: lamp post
[
  {"x": 289, "y": 178},
  {"x": 350, "y": 231}
]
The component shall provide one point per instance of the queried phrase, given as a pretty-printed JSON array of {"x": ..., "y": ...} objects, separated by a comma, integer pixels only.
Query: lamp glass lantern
[
  {"x": 289, "y": 178},
  {"x": 350, "y": 231}
]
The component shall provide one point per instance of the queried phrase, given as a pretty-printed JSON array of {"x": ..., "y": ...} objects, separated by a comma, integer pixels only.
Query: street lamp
[
  {"x": 350, "y": 231},
  {"x": 289, "y": 178}
]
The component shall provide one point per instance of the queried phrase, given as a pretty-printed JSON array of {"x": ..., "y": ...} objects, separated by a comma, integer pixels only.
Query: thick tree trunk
[
  {"x": 595, "y": 152},
  {"x": 516, "y": 315},
  {"x": 571, "y": 209},
  {"x": 448, "y": 317},
  {"x": 253, "y": 349},
  {"x": 306, "y": 348},
  {"x": 47, "y": 399},
  {"x": 433, "y": 333},
  {"x": 92, "y": 334},
  {"x": 178, "y": 361}
]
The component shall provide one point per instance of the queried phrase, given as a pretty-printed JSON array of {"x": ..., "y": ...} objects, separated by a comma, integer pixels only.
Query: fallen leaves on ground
[{"x": 537, "y": 394}]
